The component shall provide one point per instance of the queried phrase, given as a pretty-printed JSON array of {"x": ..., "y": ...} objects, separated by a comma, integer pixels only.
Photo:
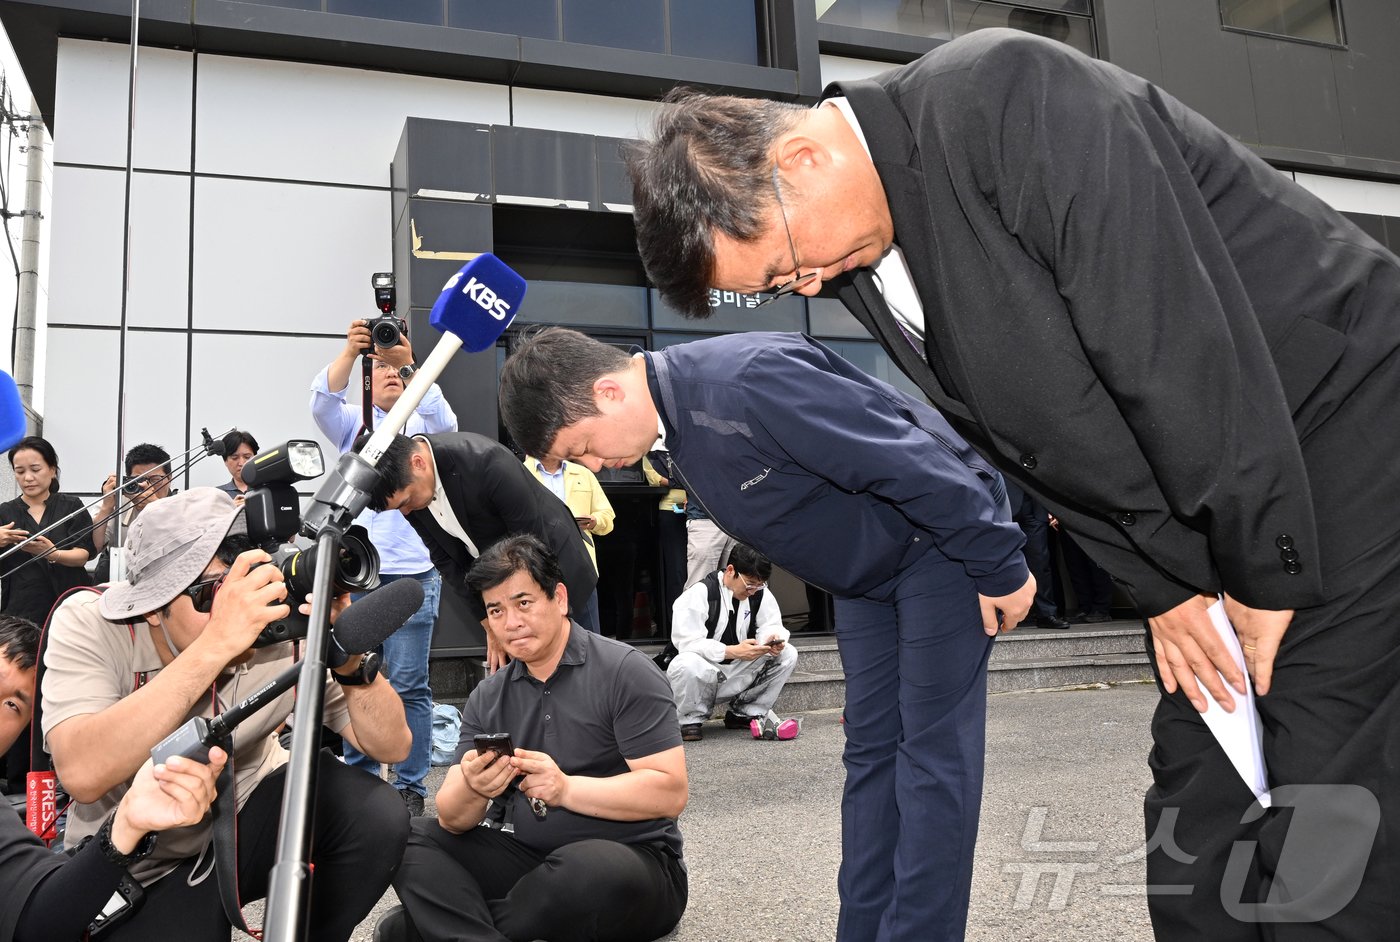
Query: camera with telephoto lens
[
  {"x": 273, "y": 510},
  {"x": 385, "y": 330}
]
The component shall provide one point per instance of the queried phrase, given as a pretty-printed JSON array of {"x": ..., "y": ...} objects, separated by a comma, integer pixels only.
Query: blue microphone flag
[
  {"x": 13, "y": 425},
  {"x": 479, "y": 302}
]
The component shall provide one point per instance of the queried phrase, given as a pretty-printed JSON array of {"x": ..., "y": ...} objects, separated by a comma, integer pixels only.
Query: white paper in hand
[{"x": 1238, "y": 733}]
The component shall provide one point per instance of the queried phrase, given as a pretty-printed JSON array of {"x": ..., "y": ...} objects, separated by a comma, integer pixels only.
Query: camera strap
[{"x": 225, "y": 821}]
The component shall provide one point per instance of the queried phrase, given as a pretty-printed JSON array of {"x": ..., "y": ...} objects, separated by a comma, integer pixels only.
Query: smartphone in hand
[{"x": 499, "y": 743}]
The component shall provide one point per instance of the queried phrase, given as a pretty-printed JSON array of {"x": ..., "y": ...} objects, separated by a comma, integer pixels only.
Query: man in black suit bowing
[
  {"x": 462, "y": 492},
  {"x": 1190, "y": 360}
]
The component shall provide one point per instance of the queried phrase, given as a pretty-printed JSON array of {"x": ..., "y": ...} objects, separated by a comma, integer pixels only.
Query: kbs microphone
[
  {"x": 479, "y": 302},
  {"x": 14, "y": 426},
  {"x": 360, "y": 628}
]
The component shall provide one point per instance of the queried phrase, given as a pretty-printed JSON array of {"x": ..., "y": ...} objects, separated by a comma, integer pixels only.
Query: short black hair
[
  {"x": 19, "y": 641},
  {"x": 708, "y": 168},
  {"x": 547, "y": 384},
  {"x": 146, "y": 453},
  {"x": 748, "y": 561},
  {"x": 45, "y": 450},
  {"x": 520, "y": 552},
  {"x": 394, "y": 472},
  {"x": 239, "y": 437},
  {"x": 232, "y": 545}
]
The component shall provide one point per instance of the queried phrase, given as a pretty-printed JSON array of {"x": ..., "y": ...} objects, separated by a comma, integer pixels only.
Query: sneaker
[
  {"x": 412, "y": 801},
  {"x": 771, "y": 727},
  {"x": 692, "y": 732},
  {"x": 734, "y": 720}
]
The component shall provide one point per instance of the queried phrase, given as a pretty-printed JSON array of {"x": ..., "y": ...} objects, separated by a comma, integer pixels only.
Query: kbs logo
[{"x": 484, "y": 297}]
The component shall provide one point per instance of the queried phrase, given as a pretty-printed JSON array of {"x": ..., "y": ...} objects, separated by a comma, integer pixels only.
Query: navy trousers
[{"x": 915, "y": 658}]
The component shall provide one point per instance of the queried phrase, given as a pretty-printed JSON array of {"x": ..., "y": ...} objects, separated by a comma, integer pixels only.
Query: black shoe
[
  {"x": 1049, "y": 621},
  {"x": 1097, "y": 618},
  {"x": 692, "y": 732},
  {"x": 413, "y": 802},
  {"x": 734, "y": 720},
  {"x": 394, "y": 926}
]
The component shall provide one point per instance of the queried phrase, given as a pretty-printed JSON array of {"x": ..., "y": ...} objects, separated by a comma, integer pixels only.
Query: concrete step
[
  {"x": 1079, "y": 641},
  {"x": 1037, "y": 674},
  {"x": 1025, "y": 659}
]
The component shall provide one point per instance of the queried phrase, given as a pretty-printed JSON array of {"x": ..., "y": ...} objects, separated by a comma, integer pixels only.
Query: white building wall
[{"x": 259, "y": 209}]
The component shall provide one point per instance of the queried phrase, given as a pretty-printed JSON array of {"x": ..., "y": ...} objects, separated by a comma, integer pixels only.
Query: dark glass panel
[
  {"x": 408, "y": 11},
  {"x": 536, "y": 18},
  {"x": 621, "y": 24},
  {"x": 726, "y": 30}
]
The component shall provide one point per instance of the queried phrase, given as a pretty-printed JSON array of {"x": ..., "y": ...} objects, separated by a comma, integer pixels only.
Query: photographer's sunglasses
[{"x": 202, "y": 593}]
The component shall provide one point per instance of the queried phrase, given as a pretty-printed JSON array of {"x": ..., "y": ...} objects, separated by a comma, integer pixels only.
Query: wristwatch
[
  {"x": 369, "y": 670},
  {"x": 109, "y": 850},
  {"x": 406, "y": 372}
]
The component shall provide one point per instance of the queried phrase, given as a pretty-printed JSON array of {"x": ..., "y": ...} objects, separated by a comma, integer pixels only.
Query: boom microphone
[
  {"x": 365, "y": 624},
  {"x": 360, "y": 628}
]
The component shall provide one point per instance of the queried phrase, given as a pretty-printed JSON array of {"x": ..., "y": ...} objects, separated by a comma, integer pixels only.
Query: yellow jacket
[
  {"x": 673, "y": 498},
  {"x": 585, "y": 498}
]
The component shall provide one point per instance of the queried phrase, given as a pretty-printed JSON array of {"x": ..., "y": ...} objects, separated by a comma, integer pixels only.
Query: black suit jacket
[
  {"x": 493, "y": 496},
  {"x": 1170, "y": 344}
]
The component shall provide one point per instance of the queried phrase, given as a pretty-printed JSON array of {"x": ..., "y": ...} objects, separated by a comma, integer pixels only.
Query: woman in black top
[{"x": 29, "y": 586}]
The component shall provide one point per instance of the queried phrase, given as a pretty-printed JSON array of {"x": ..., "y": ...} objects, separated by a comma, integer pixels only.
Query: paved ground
[{"x": 1063, "y": 768}]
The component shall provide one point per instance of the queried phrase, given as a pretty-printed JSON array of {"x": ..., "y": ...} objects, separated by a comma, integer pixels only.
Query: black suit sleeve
[
  {"x": 1088, "y": 174},
  {"x": 49, "y": 896}
]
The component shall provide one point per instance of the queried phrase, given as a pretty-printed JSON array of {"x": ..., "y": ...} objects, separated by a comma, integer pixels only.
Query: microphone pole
[{"x": 337, "y": 503}]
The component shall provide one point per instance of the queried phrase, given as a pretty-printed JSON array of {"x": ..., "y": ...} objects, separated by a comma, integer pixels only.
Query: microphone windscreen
[
  {"x": 479, "y": 302},
  {"x": 13, "y": 425},
  {"x": 367, "y": 622}
]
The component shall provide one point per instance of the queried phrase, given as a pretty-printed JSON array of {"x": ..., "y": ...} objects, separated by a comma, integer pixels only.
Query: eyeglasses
[
  {"x": 202, "y": 593},
  {"x": 753, "y": 586},
  {"x": 787, "y": 287}
]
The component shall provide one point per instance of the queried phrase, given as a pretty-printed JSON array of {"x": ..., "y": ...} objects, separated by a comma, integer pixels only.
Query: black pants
[
  {"x": 1033, "y": 519},
  {"x": 1093, "y": 586},
  {"x": 361, "y": 825},
  {"x": 671, "y": 536},
  {"x": 485, "y": 886},
  {"x": 1332, "y": 727}
]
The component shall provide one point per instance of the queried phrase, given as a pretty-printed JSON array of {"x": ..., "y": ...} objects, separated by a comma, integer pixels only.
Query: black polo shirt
[{"x": 605, "y": 703}]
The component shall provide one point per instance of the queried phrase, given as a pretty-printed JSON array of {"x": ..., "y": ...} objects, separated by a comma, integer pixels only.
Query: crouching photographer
[
  {"x": 125, "y": 669},
  {"x": 45, "y": 896}
]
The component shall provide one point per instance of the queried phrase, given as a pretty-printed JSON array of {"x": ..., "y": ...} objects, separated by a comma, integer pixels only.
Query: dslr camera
[
  {"x": 386, "y": 329},
  {"x": 273, "y": 510}
]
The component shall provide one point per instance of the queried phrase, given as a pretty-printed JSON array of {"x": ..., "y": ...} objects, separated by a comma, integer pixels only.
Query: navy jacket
[{"x": 837, "y": 477}]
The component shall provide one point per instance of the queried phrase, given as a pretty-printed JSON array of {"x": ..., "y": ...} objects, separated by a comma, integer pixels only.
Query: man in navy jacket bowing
[{"x": 854, "y": 487}]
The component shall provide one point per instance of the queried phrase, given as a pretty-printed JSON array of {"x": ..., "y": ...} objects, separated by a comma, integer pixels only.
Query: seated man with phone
[
  {"x": 579, "y": 789},
  {"x": 732, "y": 647}
]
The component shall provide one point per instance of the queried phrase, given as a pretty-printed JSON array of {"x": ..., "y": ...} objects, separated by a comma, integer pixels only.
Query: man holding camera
[
  {"x": 402, "y": 554},
  {"x": 176, "y": 640},
  {"x": 580, "y": 838},
  {"x": 46, "y": 896}
]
